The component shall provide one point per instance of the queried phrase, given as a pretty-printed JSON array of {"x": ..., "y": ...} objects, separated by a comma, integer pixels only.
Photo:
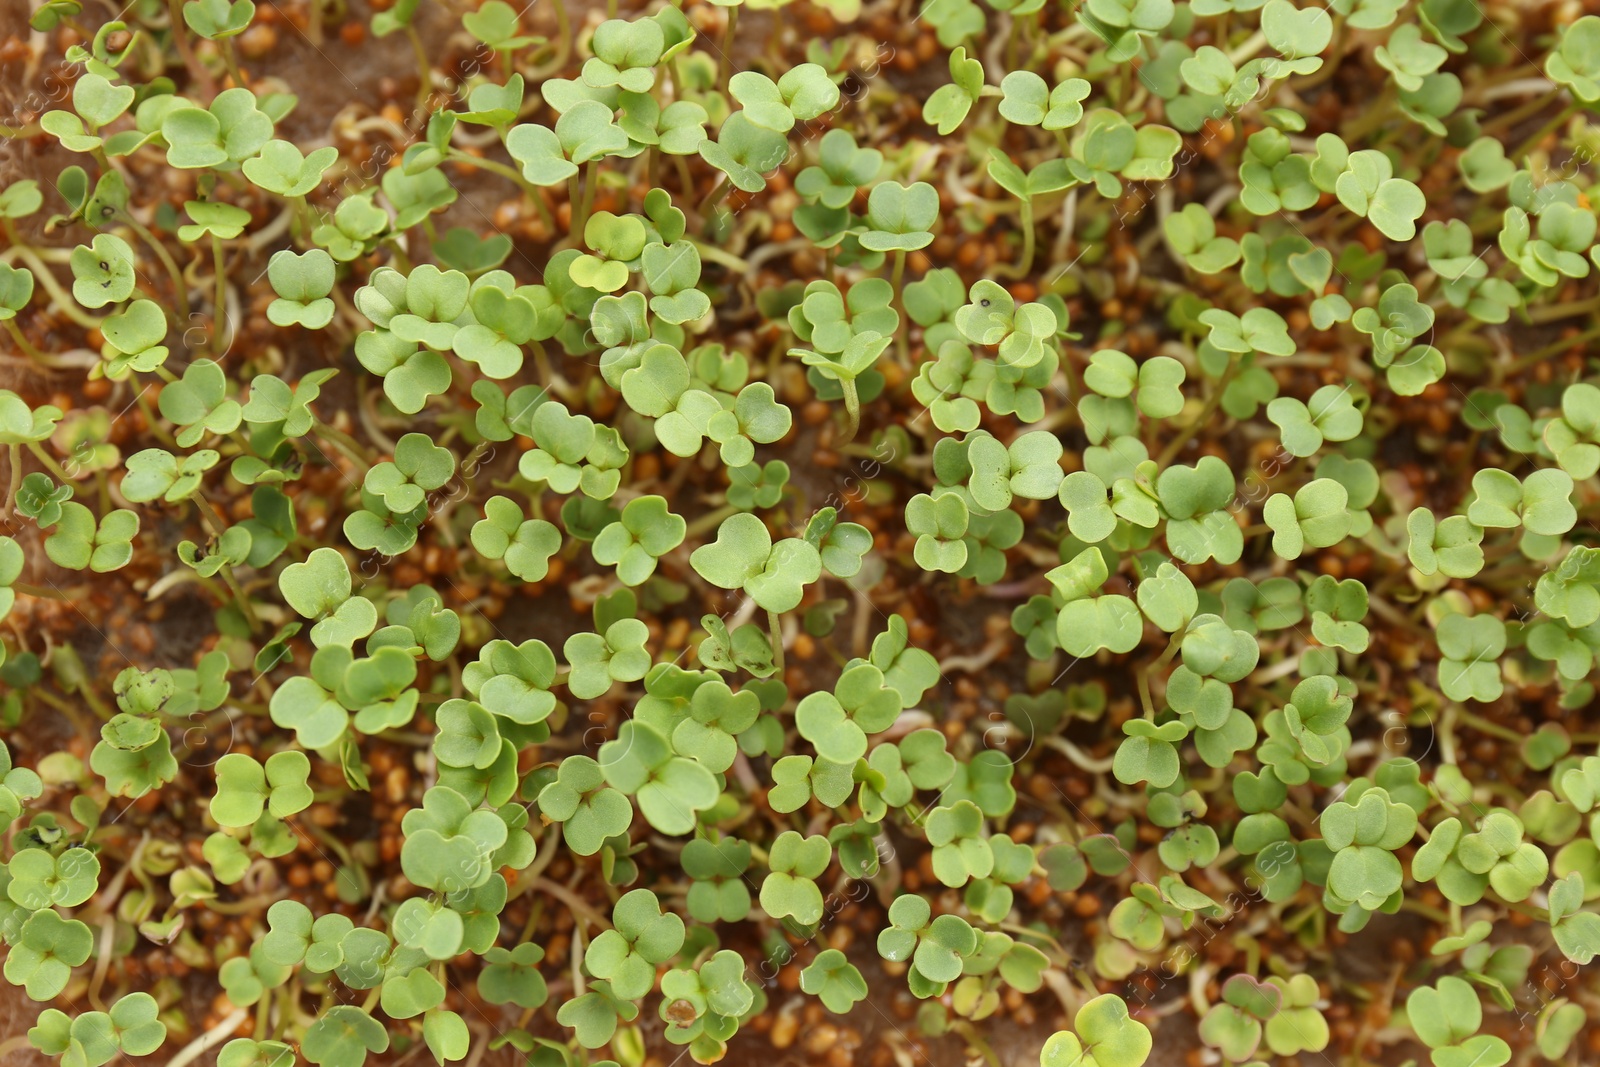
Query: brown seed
[
  {"x": 396, "y": 783},
  {"x": 820, "y": 1038},
  {"x": 258, "y": 41},
  {"x": 784, "y": 1029}
]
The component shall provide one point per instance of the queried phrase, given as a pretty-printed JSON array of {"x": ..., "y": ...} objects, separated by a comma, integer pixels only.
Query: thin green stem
[
  {"x": 66, "y": 708},
  {"x": 1485, "y": 726},
  {"x": 1248, "y": 48},
  {"x": 50, "y": 464},
  {"x": 1417, "y": 907},
  {"x": 725, "y": 66},
  {"x": 852, "y": 408},
  {"x": 1522, "y": 150},
  {"x": 1381, "y": 111},
  {"x": 896, "y": 284},
  {"x": 152, "y": 423},
  {"x": 179, "y": 289},
  {"x": 231, "y": 61},
  {"x": 775, "y": 625},
  {"x": 342, "y": 441},
  {"x": 1532, "y": 107},
  {"x": 579, "y": 906},
  {"x": 398, "y": 257},
  {"x": 975, "y": 1042},
  {"x": 62, "y": 301},
  {"x": 180, "y": 37},
  {"x": 1025, "y": 220},
  {"x": 239, "y": 907},
  {"x": 1145, "y": 698},
  {"x": 48, "y": 362},
  {"x": 685, "y": 180},
  {"x": 1167, "y": 654},
  {"x": 531, "y": 191},
  {"x": 541, "y": 364},
  {"x": 1020, "y": 269},
  {"x": 303, "y": 220},
  {"x": 537, "y": 197},
  {"x": 717, "y": 194},
  {"x": 1554, "y": 312},
  {"x": 334, "y": 843},
  {"x": 1077, "y": 755},
  {"x": 219, "y": 306},
  {"x": 1075, "y": 390},
  {"x": 591, "y": 178},
  {"x": 456, "y": 155},
  {"x": 563, "y": 43},
  {"x": 245, "y": 606},
  {"x": 14, "y": 454},
  {"x": 717, "y": 254},
  {"x": 96, "y": 705},
  {"x": 212, "y": 1037},
  {"x": 424, "y": 71},
  {"x": 207, "y": 519},
  {"x": 676, "y": 73},
  {"x": 710, "y": 520},
  {"x": 1194, "y": 424},
  {"x": 1522, "y": 363}
]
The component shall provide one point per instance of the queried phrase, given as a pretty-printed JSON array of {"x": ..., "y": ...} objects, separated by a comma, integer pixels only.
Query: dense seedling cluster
[{"x": 1001, "y": 530}]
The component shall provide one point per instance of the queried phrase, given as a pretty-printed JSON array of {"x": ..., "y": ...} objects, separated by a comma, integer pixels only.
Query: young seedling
[{"x": 1103, "y": 1034}]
